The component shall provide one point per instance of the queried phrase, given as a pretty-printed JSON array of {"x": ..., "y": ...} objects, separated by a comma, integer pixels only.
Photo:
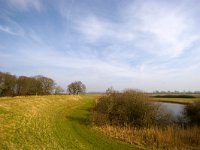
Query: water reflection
[{"x": 174, "y": 108}]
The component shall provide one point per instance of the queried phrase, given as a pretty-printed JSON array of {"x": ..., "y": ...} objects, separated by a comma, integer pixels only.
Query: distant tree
[
  {"x": 76, "y": 87},
  {"x": 7, "y": 84},
  {"x": 10, "y": 85},
  {"x": 110, "y": 90},
  {"x": 1, "y": 83},
  {"x": 45, "y": 85},
  {"x": 22, "y": 85},
  {"x": 26, "y": 85},
  {"x": 59, "y": 90}
]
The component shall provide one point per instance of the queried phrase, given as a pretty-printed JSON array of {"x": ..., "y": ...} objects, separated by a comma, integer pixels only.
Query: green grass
[
  {"x": 176, "y": 100},
  {"x": 51, "y": 122},
  {"x": 170, "y": 99}
]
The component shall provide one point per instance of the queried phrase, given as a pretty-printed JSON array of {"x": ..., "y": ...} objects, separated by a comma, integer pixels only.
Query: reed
[{"x": 170, "y": 137}]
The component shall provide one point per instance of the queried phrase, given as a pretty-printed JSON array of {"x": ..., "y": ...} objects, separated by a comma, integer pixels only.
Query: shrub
[
  {"x": 192, "y": 112},
  {"x": 128, "y": 108}
]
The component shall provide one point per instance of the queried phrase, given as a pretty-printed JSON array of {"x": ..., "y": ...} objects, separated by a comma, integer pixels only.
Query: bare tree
[
  {"x": 26, "y": 86},
  {"x": 45, "y": 85},
  {"x": 76, "y": 87},
  {"x": 7, "y": 84},
  {"x": 59, "y": 90},
  {"x": 110, "y": 90},
  {"x": 10, "y": 85}
]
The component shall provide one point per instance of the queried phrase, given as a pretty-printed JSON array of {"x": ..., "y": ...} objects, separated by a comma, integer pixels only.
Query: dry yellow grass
[
  {"x": 169, "y": 138},
  {"x": 26, "y": 122},
  {"x": 51, "y": 122}
]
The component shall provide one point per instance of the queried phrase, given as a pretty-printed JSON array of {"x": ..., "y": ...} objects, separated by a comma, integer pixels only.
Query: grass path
[{"x": 51, "y": 122}]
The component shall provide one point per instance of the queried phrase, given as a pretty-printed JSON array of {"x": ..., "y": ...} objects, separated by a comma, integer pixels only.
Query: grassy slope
[{"x": 51, "y": 122}]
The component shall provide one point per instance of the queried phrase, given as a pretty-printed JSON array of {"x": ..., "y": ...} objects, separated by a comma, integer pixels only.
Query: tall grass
[{"x": 169, "y": 138}]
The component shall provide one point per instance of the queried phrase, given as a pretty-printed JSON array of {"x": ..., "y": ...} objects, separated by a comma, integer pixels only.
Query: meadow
[
  {"x": 51, "y": 122},
  {"x": 180, "y": 100},
  {"x": 65, "y": 122}
]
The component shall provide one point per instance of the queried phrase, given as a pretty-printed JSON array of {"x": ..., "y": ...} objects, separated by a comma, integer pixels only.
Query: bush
[
  {"x": 128, "y": 108},
  {"x": 192, "y": 112}
]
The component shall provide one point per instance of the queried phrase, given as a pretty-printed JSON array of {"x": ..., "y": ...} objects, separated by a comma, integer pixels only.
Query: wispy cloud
[
  {"x": 26, "y": 4},
  {"x": 9, "y": 26},
  {"x": 168, "y": 29},
  {"x": 7, "y": 30},
  {"x": 153, "y": 26},
  {"x": 94, "y": 29},
  {"x": 146, "y": 44}
]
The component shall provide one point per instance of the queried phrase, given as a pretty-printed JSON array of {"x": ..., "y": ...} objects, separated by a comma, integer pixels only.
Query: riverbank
[
  {"x": 116, "y": 115},
  {"x": 175, "y": 100},
  {"x": 155, "y": 137}
]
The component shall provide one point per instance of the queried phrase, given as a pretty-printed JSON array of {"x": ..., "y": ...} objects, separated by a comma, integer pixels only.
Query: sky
[{"x": 141, "y": 44}]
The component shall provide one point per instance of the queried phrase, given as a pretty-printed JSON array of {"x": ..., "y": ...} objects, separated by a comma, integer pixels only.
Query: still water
[{"x": 174, "y": 108}]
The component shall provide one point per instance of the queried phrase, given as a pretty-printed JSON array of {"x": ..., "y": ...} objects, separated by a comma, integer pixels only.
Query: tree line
[
  {"x": 176, "y": 92},
  {"x": 11, "y": 85}
]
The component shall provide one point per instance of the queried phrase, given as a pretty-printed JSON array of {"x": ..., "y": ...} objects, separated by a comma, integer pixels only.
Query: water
[{"x": 174, "y": 108}]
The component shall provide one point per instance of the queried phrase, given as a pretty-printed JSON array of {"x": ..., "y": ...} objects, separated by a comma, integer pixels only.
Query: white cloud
[
  {"x": 144, "y": 48},
  {"x": 92, "y": 28},
  {"x": 168, "y": 29},
  {"x": 9, "y": 26},
  {"x": 65, "y": 10},
  {"x": 26, "y": 4},
  {"x": 105, "y": 73},
  {"x": 165, "y": 32},
  {"x": 7, "y": 30},
  {"x": 154, "y": 27}
]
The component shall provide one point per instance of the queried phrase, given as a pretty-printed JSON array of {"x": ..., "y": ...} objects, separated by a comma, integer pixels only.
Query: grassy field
[
  {"x": 51, "y": 122},
  {"x": 175, "y": 100}
]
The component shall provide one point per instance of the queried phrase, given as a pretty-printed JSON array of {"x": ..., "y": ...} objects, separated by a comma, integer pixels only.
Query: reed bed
[{"x": 167, "y": 138}]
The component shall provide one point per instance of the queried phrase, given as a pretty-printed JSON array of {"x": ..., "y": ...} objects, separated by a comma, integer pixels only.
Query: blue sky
[{"x": 144, "y": 44}]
